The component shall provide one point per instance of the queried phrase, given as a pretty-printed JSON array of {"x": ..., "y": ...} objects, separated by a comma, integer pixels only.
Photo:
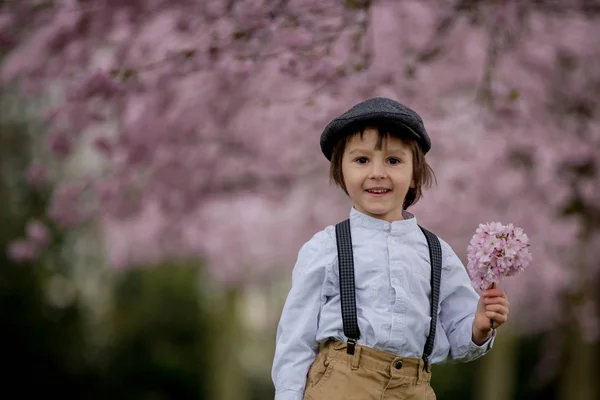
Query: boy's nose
[{"x": 377, "y": 171}]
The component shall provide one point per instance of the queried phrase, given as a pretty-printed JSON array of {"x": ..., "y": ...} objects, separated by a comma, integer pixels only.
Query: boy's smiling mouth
[{"x": 378, "y": 191}]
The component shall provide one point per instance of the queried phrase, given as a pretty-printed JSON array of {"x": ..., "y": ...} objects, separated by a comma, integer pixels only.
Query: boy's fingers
[
  {"x": 496, "y": 300},
  {"x": 496, "y": 316},
  {"x": 494, "y": 293},
  {"x": 498, "y": 308}
]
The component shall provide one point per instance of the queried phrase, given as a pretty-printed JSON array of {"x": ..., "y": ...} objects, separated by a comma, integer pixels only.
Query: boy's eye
[
  {"x": 361, "y": 160},
  {"x": 394, "y": 160}
]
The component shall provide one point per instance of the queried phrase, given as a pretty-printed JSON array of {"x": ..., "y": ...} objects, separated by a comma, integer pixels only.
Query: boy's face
[{"x": 377, "y": 180}]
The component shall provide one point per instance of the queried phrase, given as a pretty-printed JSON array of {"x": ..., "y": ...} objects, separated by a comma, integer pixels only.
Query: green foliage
[
  {"x": 44, "y": 344},
  {"x": 160, "y": 347},
  {"x": 454, "y": 381},
  {"x": 158, "y": 343}
]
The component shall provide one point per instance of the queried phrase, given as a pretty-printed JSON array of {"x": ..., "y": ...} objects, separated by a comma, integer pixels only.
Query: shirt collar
[{"x": 408, "y": 224}]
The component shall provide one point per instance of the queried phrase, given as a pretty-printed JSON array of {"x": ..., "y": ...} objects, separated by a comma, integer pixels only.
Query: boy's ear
[{"x": 413, "y": 185}]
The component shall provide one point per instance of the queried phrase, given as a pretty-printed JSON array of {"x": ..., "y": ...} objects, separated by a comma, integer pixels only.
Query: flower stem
[{"x": 492, "y": 286}]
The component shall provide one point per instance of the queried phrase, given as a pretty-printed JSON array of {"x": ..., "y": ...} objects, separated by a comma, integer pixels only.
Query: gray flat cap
[{"x": 379, "y": 111}]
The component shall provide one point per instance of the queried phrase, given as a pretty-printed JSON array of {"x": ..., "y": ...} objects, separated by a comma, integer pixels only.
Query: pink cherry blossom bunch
[{"x": 497, "y": 251}]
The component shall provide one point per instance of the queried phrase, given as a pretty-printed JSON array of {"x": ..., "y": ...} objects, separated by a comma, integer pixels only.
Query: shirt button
[
  {"x": 386, "y": 226},
  {"x": 398, "y": 364}
]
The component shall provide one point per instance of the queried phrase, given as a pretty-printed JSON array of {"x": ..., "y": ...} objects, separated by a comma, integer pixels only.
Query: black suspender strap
[
  {"x": 347, "y": 295},
  {"x": 347, "y": 286},
  {"x": 435, "y": 259}
]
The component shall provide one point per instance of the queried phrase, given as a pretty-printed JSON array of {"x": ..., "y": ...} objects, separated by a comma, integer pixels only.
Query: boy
[{"x": 375, "y": 300}]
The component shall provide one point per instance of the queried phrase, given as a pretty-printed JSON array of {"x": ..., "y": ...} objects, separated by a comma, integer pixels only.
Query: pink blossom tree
[
  {"x": 199, "y": 108},
  {"x": 176, "y": 106},
  {"x": 205, "y": 116}
]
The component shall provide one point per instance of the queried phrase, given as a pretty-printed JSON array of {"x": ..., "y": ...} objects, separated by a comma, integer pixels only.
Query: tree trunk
[
  {"x": 229, "y": 377},
  {"x": 496, "y": 377},
  {"x": 579, "y": 378},
  {"x": 579, "y": 374}
]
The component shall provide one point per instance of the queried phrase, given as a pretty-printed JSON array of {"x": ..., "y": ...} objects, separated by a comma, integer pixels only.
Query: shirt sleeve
[
  {"x": 296, "y": 344},
  {"x": 458, "y": 305}
]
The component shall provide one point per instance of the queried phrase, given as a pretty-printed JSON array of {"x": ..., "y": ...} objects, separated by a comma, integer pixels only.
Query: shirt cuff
[
  {"x": 469, "y": 351},
  {"x": 485, "y": 346},
  {"x": 474, "y": 351},
  {"x": 289, "y": 395}
]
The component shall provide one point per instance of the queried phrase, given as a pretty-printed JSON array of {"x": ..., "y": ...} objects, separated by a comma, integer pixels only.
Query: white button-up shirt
[{"x": 393, "y": 288}]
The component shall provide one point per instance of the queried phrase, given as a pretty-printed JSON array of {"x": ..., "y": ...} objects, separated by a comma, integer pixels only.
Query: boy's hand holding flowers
[
  {"x": 492, "y": 306},
  {"x": 495, "y": 251}
]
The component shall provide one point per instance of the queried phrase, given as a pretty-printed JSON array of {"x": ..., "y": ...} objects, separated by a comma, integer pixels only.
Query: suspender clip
[
  {"x": 425, "y": 363},
  {"x": 351, "y": 346}
]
